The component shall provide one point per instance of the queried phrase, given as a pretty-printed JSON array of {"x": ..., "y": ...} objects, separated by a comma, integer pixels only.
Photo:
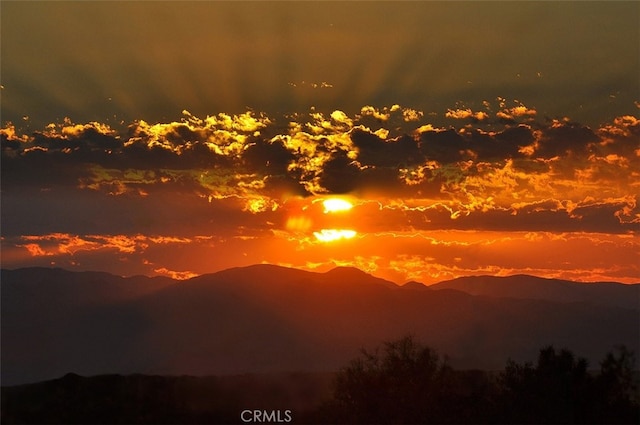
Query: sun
[
  {"x": 328, "y": 226},
  {"x": 330, "y": 235},
  {"x": 333, "y": 205}
]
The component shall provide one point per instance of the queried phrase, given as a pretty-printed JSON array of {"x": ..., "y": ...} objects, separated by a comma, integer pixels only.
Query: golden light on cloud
[
  {"x": 333, "y": 205},
  {"x": 330, "y": 235}
]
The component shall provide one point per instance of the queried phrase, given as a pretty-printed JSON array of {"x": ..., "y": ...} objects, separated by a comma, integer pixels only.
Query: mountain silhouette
[
  {"x": 532, "y": 287},
  {"x": 415, "y": 285},
  {"x": 270, "y": 319},
  {"x": 353, "y": 275}
]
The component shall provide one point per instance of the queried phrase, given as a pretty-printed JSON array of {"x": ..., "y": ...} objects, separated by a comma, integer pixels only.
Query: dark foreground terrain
[
  {"x": 400, "y": 382},
  {"x": 145, "y": 399}
]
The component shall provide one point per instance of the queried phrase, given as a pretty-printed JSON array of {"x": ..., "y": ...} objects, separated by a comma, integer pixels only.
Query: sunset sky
[{"x": 413, "y": 140}]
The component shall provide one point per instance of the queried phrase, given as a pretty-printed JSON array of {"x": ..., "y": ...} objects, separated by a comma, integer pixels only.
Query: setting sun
[
  {"x": 333, "y": 205},
  {"x": 330, "y": 235}
]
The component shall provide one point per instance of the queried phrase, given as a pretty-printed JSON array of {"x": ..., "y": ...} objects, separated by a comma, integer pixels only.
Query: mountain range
[{"x": 267, "y": 318}]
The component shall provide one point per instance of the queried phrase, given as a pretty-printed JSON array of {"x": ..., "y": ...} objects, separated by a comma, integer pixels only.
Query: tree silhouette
[
  {"x": 557, "y": 390},
  {"x": 620, "y": 401},
  {"x": 404, "y": 382}
]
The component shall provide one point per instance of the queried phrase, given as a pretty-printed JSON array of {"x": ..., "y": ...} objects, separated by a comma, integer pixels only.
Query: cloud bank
[
  {"x": 530, "y": 175},
  {"x": 245, "y": 179}
]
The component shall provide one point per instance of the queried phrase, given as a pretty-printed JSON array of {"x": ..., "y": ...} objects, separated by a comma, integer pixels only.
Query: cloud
[
  {"x": 619, "y": 137},
  {"x": 462, "y": 114},
  {"x": 65, "y": 243},
  {"x": 10, "y": 138},
  {"x": 519, "y": 111},
  {"x": 409, "y": 115},
  {"x": 378, "y": 152},
  {"x": 375, "y": 113},
  {"x": 480, "y": 175}
]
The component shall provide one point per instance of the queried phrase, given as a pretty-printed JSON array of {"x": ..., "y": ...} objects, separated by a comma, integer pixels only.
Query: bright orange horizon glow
[{"x": 330, "y": 235}]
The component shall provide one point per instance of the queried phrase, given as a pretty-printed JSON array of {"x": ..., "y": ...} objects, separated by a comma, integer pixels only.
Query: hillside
[{"x": 268, "y": 319}]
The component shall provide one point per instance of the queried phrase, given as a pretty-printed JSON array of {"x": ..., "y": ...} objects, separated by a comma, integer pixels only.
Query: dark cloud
[
  {"x": 377, "y": 152},
  {"x": 507, "y": 143},
  {"x": 443, "y": 146},
  {"x": 564, "y": 139},
  {"x": 89, "y": 137},
  {"x": 340, "y": 175},
  {"x": 621, "y": 137},
  {"x": 268, "y": 157},
  {"x": 40, "y": 169}
]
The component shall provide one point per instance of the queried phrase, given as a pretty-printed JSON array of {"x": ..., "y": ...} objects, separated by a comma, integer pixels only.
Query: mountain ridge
[
  {"x": 270, "y": 319},
  {"x": 335, "y": 270},
  {"x": 534, "y": 287},
  {"x": 522, "y": 286}
]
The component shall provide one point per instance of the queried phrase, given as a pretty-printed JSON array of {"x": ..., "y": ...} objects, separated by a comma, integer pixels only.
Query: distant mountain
[
  {"x": 343, "y": 275},
  {"x": 62, "y": 286},
  {"x": 266, "y": 318},
  {"x": 537, "y": 288},
  {"x": 415, "y": 285}
]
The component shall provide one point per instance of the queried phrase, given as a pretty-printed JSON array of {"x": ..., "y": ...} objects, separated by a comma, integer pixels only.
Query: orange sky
[{"x": 212, "y": 146}]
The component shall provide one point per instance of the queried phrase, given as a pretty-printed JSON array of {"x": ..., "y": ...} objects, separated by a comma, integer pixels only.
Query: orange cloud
[
  {"x": 375, "y": 113},
  {"x": 35, "y": 250},
  {"x": 518, "y": 111},
  {"x": 461, "y": 114},
  {"x": 409, "y": 115},
  {"x": 622, "y": 127},
  {"x": 8, "y": 132},
  {"x": 64, "y": 243},
  {"x": 184, "y": 275},
  {"x": 68, "y": 130}
]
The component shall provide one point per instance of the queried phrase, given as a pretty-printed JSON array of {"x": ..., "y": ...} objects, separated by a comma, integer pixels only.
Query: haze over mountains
[{"x": 267, "y": 318}]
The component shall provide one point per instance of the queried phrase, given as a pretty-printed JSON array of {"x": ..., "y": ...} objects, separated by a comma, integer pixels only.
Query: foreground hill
[{"x": 266, "y": 319}]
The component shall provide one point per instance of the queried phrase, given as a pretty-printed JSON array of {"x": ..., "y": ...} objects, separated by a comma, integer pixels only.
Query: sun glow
[
  {"x": 298, "y": 223},
  {"x": 330, "y": 235},
  {"x": 333, "y": 205}
]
